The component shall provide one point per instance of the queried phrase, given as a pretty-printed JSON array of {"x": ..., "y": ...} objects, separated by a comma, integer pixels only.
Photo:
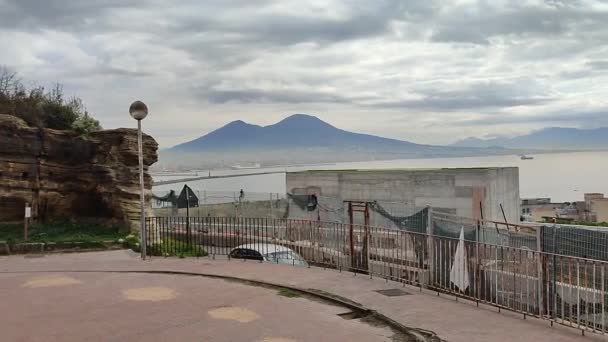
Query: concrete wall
[
  {"x": 600, "y": 209},
  {"x": 250, "y": 209},
  {"x": 458, "y": 191}
]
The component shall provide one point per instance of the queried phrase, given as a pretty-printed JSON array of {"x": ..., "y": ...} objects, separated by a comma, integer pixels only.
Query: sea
[{"x": 563, "y": 177}]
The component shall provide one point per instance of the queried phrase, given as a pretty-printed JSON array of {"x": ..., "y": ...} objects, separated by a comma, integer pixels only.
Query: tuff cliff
[{"x": 68, "y": 177}]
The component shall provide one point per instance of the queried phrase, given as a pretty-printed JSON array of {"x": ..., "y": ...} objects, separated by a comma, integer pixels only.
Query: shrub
[
  {"x": 39, "y": 107},
  {"x": 132, "y": 241},
  {"x": 85, "y": 125},
  {"x": 59, "y": 232},
  {"x": 171, "y": 247}
]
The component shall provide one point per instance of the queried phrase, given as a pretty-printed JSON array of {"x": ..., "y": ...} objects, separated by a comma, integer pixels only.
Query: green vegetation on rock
[{"x": 43, "y": 108}]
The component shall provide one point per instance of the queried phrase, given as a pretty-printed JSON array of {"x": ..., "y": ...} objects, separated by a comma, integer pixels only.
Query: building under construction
[{"x": 489, "y": 193}]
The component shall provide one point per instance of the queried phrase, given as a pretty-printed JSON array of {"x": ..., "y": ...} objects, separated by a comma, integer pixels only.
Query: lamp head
[{"x": 138, "y": 110}]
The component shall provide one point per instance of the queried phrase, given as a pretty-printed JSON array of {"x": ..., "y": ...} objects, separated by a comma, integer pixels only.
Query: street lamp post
[{"x": 139, "y": 111}]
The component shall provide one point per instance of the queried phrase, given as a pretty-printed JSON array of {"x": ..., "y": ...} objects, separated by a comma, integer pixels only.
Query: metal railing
[
  {"x": 576, "y": 241},
  {"x": 563, "y": 289},
  {"x": 224, "y": 203}
]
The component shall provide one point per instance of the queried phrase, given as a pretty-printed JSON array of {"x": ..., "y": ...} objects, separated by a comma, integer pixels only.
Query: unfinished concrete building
[{"x": 470, "y": 192}]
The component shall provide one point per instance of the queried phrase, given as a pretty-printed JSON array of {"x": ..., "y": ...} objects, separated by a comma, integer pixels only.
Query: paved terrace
[{"x": 173, "y": 311}]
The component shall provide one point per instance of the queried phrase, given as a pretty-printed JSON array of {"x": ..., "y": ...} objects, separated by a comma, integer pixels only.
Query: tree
[
  {"x": 84, "y": 123},
  {"x": 58, "y": 116},
  {"x": 8, "y": 81},
  {"x": 27, "y": 105},
  {"x": 8, "y": 85},
  {"x": 40, "y": 108}
]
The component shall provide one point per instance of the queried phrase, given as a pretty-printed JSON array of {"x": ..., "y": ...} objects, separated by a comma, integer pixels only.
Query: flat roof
[{"x": 408, "y": 169}]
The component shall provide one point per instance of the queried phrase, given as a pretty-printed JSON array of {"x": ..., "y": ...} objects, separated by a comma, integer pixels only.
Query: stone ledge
[{"x": 29, "y": 247}]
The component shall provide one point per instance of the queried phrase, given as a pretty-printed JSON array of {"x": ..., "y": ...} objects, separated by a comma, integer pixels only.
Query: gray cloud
[
  {"x": 598, "y": 65},
  {"x": 474, "y": 96},
  {"x": 478, "y": 95},
  {"x": 517, "y": 20},
  {"x": 55, "y": 14},
  {"x": 478, "y": 64},
  {"x": 585, "y": 118},
  {"x": 457, "y": 103},
  {"x": 260, "y": 96}
]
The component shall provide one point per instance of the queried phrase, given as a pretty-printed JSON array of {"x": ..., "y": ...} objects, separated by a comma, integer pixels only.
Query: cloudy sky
[{"x": 428, "y": 71}]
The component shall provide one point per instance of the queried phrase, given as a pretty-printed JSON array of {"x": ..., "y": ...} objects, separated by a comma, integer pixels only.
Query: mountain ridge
[
  {"x": 297, "y": 130},
  {"x": 306, "y": 139},
  {"x": 546, "y": 138}
]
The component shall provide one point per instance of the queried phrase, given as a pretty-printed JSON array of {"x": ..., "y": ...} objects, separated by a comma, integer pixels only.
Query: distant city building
[
  {"x": 597, "y": 207},
  {"x": 536, "y": 209},
  {"x": 593, "y": 209}
]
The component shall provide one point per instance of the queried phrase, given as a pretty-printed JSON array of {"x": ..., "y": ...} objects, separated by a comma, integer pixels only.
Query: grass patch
[
  {"x": 11, "y": 232},
  {"x": 171, "y": 247},
  {"x": 288, "y": 293},
  {"x": 59, "y": 232}
]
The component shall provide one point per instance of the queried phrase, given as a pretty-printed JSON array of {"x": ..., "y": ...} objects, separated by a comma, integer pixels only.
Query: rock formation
[{"x": 68, "y": 177}]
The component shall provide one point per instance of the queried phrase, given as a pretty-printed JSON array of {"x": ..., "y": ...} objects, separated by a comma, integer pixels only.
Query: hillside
[{"x": 548, "y": 138}]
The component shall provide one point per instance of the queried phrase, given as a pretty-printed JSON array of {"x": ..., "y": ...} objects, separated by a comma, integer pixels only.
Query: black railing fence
[{"x": 472, "y": 261}]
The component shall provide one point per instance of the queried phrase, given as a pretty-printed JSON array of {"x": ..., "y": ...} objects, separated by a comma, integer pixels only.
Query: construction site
[{"x": 451, "y": 230}]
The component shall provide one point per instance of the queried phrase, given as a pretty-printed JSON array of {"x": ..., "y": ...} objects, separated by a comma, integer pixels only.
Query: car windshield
[{"x": 285, "y": 257}]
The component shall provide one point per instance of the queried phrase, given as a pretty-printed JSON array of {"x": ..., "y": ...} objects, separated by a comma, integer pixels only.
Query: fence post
[
  {"x": 271, "y": 204},
  {"x": 351, "y": 235},
  {"x": 205, "y": 203},
  {"x": 430, "y": 245},
  {"x": 478, "y": 283},
  {"x": 367, "y": 241},
  {"x": 198, "y": 203},
  {"x": 539, "y": 262}
]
